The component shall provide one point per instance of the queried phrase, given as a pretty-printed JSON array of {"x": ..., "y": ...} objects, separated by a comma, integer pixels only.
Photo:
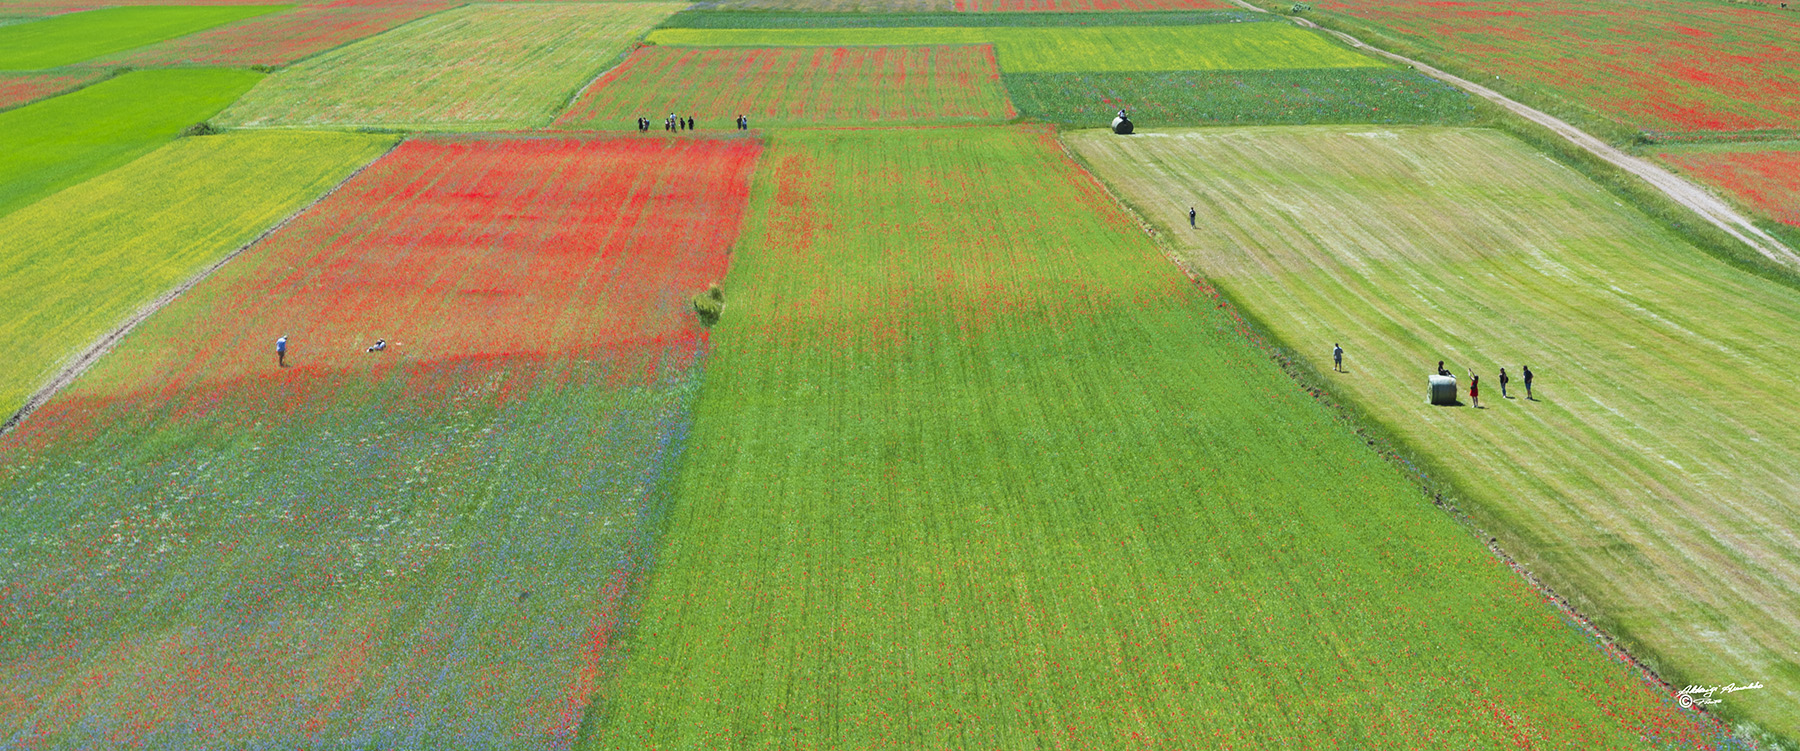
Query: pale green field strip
[
  {"x": 976, "y": 467},
  {"x": 74, "y": 37},
  {"x": 60, "y": 141},
  {"x": 1249, "y": 46},
  {"x": 1659, "y": 470},
  {"x": 479, "y": 66},
  {"x": 76, "y": 264}
]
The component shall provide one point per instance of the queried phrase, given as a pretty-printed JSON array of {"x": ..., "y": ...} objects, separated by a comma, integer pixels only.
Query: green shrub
[{"x": 709, "y": 305}]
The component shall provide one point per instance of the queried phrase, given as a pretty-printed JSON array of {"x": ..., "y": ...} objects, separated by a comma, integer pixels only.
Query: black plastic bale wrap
[{"x": 1122, "y": 126}]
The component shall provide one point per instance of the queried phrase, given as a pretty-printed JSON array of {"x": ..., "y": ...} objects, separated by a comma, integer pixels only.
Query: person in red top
[{"x": 1475, "y": 390}]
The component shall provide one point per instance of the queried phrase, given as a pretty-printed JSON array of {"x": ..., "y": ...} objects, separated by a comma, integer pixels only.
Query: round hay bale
[
  {"x": 1443, "y": 390},
  {"x": 1122, "y": 126}
]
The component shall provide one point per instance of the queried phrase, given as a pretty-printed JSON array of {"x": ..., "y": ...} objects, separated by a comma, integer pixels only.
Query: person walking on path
[
  {"x": 1337, "y": 357},
  {"x": 1503, "y": 380},
  {"x": 1527, "y": 371},
  {"x": 1475, "y": 390},
  {"x": 281, "y": 352},
  {"x": 1190, "y": 216}
]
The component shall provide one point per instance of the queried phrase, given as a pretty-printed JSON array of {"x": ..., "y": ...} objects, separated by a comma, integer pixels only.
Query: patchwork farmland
[
  {"x": 1663, "y": 66},
  {"x": 371, "y": 376}
]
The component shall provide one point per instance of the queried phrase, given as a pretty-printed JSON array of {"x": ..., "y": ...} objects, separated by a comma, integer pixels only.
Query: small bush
[
  {"x": 201, "y": 129},
  {"x": 709, "y": 304},
  {"x": 263, "y": 68}
]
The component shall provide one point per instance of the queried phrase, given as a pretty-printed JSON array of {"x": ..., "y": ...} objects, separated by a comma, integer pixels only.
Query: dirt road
[{"x": 1708, "y": 206}]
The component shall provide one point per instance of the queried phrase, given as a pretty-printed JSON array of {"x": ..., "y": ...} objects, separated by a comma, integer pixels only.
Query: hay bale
[
  {"x": 1122, "y": 126},
  {"x": 1443, "y": 390}
]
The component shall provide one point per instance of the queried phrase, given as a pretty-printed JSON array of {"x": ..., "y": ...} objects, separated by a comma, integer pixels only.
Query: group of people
[
  {"x": 1337, "y": 364},
  {"x": 1475, "y": 382},
  {"x": 674, "y": 123},
  {"x": 281, "y": 347},
  {"x": 671, "y": 123}
]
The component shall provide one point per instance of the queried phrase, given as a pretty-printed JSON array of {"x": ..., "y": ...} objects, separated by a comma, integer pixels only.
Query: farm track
[
  {"x": 1677, "y": 188},
  {"x": 93, "y": 352}
]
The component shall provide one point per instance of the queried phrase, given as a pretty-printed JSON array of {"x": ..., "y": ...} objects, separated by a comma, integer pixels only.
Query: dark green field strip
[
  {"x": 64, "y": 140},
  {"x": 74, "y": 37},
  {"x": 1284, "y": 97},
  {"x": 711, "y": 19},
  {"x": 976, "y": 467}
]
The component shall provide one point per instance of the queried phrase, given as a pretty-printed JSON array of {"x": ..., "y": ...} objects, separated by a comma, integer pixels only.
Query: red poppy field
[
  {"x": 1768, "y": 180},
  {"x": 22, "y": 88},
  {"x": 426, "y": 546},
  {"x": 1663, "y": 66},
  {"x": 797, "y": 86}
]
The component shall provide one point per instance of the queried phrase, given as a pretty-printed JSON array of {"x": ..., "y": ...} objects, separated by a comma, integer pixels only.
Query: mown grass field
[
  {"x": 426, "y": 547},
  {"x": 485, "y": 66},
  {"x": 1157, "y": 100},
  {"x": 1658, "y": 469},
  {"x": 980, "y": 469},
  {"x": 77, "y": 264},
  {"x": 783, "y": 86},
  {"x": 280, "y": 38},
  {"x": 18, "y": 89},
  {"x": 1074, "y": 49},
  {"x": 74, "y": 37},
  {"x": 61, "y": 141},
  {"x": 1664, "y": 66},
  {"x": 1765, "y": 177}
]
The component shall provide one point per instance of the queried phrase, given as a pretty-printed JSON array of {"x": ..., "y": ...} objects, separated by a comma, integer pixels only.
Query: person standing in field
[
  {"x": 281, "y": 352},
  {"x": 1191, "y": 216},
  {"x": 1527, "y": 371},
  {"x": 1475, "y": 390},
  {"x": 1337, "y": 357},
  {"x": 690, "y": 123},
  {"x": 1503, "y": 380}
]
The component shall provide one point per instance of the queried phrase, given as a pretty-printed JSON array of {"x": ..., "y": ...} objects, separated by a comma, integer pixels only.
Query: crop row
[
  {"x": 976, "y": 467},
  {"x": 1073, "y": 49},
  {"x": 492, "y": 66}
]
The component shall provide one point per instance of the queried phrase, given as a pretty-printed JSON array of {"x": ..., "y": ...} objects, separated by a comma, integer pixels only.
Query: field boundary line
[
  {"x": 86, "y": 358},
  {"x": 1392, "y": 451},
  {"x": 1682, "y": 191}
]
